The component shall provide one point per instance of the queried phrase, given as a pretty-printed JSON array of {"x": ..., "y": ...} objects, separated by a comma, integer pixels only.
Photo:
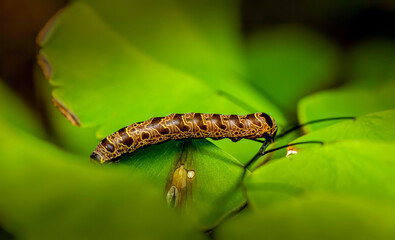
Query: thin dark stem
[
  {"x": 315, "y": 121},
  {"x": 234, "y": 212},
  {"x": 260, "y": 153}
]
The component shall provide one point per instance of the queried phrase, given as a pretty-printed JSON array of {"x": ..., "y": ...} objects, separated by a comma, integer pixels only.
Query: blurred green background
[
  {"x": 112, "y": 64},
  {"x": 328, "y": 28}
]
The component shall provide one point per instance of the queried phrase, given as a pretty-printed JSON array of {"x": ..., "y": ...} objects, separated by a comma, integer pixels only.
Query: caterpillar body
[{"x": 180, "y": 126}]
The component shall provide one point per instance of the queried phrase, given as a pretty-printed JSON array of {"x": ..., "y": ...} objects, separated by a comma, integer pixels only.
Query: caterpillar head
[
  {"x": 268, "y": 129},
  {"x": 104, "y": 152}
]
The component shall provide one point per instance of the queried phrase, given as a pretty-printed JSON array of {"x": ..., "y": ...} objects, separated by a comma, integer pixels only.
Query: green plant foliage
[
  {"x": 121, "y": 81},
  {"x": 112, "y": 64},
  {"x": 315, "y": 216},
  {"x": 351, "y": 161},
  {"x": 16, "y": 112},
  {"x": 372, "y": 63},
  {"x": 341, "y": 190},
  {"x": 213, "y": 190},
  {"x": 109, "y": 74},
  {"x": 345, "y": 102},
  {"x": 197, "y": 37},
  {"x": 288, "y": 62},
  {"x": 345, "y": 167},
  {"x": 108, "y": 80},
  {"x": 374, "y": 127},
  {"x": 47, "y": 196},
  {"x": 63, "y": 133}
]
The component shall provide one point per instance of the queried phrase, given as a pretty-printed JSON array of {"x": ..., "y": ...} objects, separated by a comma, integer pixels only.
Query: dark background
[{"x": 343, "y": 22}]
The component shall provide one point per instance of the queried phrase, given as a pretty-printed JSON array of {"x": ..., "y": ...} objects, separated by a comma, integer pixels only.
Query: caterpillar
[{"x": 181, "y": 126}]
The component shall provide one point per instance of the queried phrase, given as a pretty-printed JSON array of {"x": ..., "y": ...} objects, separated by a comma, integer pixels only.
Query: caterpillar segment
[{"x": 181, "y": 126}]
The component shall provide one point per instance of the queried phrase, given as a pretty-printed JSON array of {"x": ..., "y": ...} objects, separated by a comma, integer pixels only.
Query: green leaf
[
  {"x": 341, "y": 190},
  {"x": 315, "y": 216},
  {"x": 345, "y": 103},
  {"x": 197, "y": 37},
  {"x": 374, "y": 127},
  {"x": 45, "y": 192},
  {"x": 14, "y": 111},
  {"x": 106, "y": 72},
  {"x": 349, "y": 161},
  {"x": 74, "y": 139},
  {"x": 288, "y": 62},
  {"x": 372, "y": 63},
  {"x": 103, "y": 78},
  {"x": 109, "y": 71},
  {"x": 360, "y": 168},
  {"x": 212, "y": 191}
]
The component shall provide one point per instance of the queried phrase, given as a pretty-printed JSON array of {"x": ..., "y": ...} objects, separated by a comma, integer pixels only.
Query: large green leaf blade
[
  {"x": 315, "y": 216},
  {"x": 357, "y": 168},
  {"x": 110, "y": 77},
  {"x": 199, "y": 37},
  {"x": 51, "y": 194},
  {"x": 345, "y": 102},
  {"x": 351, "y": 161},
  {"x": 69, "y": 137},
  {"x": 104, "y": 80},
  {"x": 14, "y": 111},
  {"x": 343, "y": 189},
  {"x": 376, "y": 126},
  {"x": 212, "y": 191}
]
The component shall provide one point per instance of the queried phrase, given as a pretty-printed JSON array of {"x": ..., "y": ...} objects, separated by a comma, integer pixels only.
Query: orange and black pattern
[{"x": 180, "y": 126}]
